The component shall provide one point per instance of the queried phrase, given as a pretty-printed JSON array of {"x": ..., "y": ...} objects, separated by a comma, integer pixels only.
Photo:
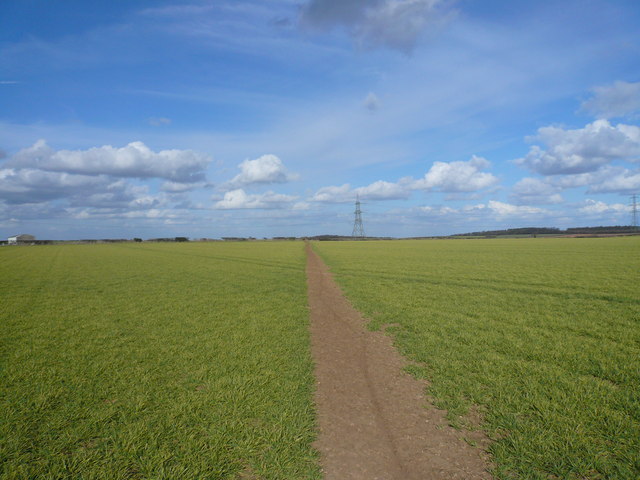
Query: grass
[
  {"x": 155, "y": 361},
  {"x": 541, "y": 337}
]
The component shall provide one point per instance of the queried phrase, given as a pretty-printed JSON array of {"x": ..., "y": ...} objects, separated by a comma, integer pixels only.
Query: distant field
[
  {"x": 539, "y": 337},
  {"x": 177, "y": 361}
]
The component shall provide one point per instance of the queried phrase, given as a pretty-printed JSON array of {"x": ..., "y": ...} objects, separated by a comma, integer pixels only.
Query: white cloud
[
  {"x": 582, "y": 150},
  {"x": 457, "y": 177},
  {"x": 29, "y": 211},
  {"x": 396, "y": 24},
  {"x": 589, "y": 179},
  {"x": 177, "y": 187},
  {"x": 606, "y": 179},
  {"x": 500, "y": 209},
  {"x": 616, "y": 100},
  {"x": 371, "y": 102},
  {"x": 530, "y": 191},
  {"x": 239, "y": 199},
  {"x": 454, "y": 177},
  {"x": 508, "y": 210},
  {"x": 117, "y": 195},
  {"x": 266, "y": 169},
  {"x": 437, "y": 211},
  {"x": 301, "y": 206},
  {"x": 477, "y": 217},
  {"x": 145, "y": 202},
  {"x": 382, "y": 190},
  {"x": 135, "y": 160},
  {"x": 598, "y": 207},
  {"x": 148, "y": 213},
  {"x": 379, "y": 190},
  {"x": 30, "y": 185},
  {"x": 617, "y": 180},
  {"x": 334, "y": 194}
]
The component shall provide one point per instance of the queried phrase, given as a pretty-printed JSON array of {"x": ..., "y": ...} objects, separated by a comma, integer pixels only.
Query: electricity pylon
[{"x": 358, "y": 228}]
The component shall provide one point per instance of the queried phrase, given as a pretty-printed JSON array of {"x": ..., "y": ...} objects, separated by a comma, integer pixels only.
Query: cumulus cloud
[
  {"x": 530, "y": 191},
  {"x": 301, "y": 206},
  {"x": 334, "y": 194},
  {"x": 455, "y": 177},
  {"x": 437, "y": 211},
  {"x": 28, "y": 185},
  {"x": 597, "y": 207},
  {"x": 135, "y": 160},
  {"x": 582, "y": 150},
  {"x": 10, "y": 213},
  {"x": 606, "y": 179},
  {"x": 379, "y": 190},
  {"x": 481, "y": 213},
  {"x": 239, "y": 199},
  {"x": 616, "y": 100},
  {"x": 118, "y": 195},
  {"x": 177, "y": 187},
  {"x": 92, "y": 183},
  {"x": 507, "y": 210},
  {"x": 382, "y": 190},
  {"x": 616, "y": 180},
  {"x": 396, "y": 24},
  {"x": 263, "y": 170},
  {"x": 499, "y": 209}
]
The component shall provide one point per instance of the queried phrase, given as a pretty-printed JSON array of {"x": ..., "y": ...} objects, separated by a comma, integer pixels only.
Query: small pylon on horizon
[{"x": 358, "y": 228}]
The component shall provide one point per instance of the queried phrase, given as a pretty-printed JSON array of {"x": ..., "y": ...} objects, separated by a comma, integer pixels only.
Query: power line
[{"x": 634, "y": 210}]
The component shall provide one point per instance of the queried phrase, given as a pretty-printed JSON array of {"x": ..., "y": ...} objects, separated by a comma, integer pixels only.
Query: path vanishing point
[{"x": 375, "y": 421}]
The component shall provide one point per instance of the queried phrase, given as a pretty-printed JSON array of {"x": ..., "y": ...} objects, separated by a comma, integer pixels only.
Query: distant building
[{"x": 23, "y": 238}]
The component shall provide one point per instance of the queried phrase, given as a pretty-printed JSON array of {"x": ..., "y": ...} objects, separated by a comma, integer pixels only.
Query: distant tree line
[
  {"x": 168, "y": 239},
  {"x": 238, "y": 239},
  {"x": 552, "y": 231},
  {"x": 614, "y": 229},
  {"x": 513, "y": 231}
]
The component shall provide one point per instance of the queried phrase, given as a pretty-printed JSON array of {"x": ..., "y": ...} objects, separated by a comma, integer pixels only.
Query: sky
[{"x": 211, "y": 119}]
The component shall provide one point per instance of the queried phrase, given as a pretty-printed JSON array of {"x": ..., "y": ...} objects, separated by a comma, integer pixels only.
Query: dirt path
[{"x": 372, "y": 416}]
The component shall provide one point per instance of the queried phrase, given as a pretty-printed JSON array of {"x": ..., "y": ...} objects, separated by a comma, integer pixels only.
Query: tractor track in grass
[{"x": 375, "y": 421}]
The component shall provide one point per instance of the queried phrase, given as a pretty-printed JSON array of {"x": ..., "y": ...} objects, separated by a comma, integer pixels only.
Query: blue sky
[{"x": 267, "y": 118}]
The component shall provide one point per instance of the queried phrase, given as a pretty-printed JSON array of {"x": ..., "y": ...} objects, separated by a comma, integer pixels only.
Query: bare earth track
[{"x": 375, "y": 421}]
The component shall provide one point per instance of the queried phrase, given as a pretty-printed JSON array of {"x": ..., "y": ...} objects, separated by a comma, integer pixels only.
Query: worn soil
[{"x": 375, "y": 421}]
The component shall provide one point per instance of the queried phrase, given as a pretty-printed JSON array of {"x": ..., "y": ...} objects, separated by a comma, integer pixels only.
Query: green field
[
  {"x": 540, "y": 338},
  {"x": 176, "y": 361},
  {"x": 192, "y": 360}
]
